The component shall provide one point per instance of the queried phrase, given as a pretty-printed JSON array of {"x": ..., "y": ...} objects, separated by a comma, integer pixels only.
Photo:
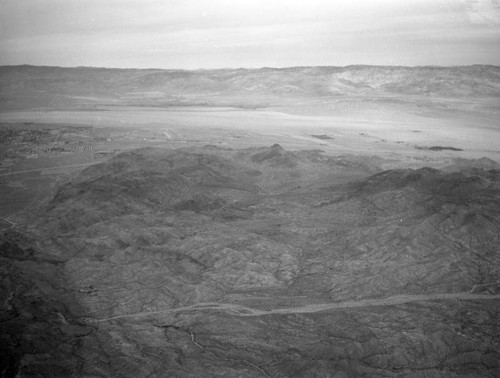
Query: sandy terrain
[{"x": 367, "y": 134}]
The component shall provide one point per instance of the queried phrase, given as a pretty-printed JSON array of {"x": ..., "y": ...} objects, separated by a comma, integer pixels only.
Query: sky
[{"x": 192, "y": 34}]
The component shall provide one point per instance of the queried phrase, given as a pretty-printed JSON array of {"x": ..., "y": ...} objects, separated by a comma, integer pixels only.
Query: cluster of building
[
  {"x": 19, "y": 142},
  {"x": 29, "y": 141}
]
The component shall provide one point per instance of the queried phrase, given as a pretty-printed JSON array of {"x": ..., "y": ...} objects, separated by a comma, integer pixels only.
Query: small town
[{"x": 22, "y": 143}]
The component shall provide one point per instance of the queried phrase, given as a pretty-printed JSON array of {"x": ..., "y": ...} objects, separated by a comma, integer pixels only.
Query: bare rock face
[{"x": 257, "y": 262}]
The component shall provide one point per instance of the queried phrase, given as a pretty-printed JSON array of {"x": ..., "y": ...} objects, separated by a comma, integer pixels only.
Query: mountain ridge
[{"x": 320, "y": 81}]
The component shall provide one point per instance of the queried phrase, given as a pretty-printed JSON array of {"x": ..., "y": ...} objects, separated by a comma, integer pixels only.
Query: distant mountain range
[{"x": 157, "y": 85}]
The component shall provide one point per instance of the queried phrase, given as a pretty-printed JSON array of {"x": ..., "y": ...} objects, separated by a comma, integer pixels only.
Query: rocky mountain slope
[{"x": 102, "y": 282}]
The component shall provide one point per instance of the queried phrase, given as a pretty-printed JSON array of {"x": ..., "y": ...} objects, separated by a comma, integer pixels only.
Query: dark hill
[
  {"x": 424, "y": 215},
  {"x": 150, "y": 180},
  {"x": 432, "y": 182},
  {"x": 275, "y": 156},
  {"x": 199, "y": 180},
  {"x": 438, "y": 221}
]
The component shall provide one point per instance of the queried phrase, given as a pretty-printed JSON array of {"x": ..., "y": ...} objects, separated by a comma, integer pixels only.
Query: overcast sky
[{"x": 255, "y": 33}]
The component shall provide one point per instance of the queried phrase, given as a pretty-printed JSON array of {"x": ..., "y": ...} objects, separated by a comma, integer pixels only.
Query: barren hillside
[{"x": 257, "y": 262}]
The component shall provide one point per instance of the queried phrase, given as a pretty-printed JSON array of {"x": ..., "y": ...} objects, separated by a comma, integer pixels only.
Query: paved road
[{"x": 247, "y": 311}]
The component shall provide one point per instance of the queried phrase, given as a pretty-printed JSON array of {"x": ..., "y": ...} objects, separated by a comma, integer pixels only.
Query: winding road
[{"x": 239, "y": 310}]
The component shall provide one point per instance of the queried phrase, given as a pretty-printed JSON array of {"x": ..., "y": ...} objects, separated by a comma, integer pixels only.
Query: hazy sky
[{"x": 254, "y": 33}]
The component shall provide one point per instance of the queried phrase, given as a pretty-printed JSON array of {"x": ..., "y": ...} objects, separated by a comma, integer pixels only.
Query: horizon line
[{"x": 251, "y": 68}]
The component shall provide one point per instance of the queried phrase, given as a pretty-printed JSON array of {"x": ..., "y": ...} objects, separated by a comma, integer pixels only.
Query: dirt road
[
  {"x": 49, "y": 168},
  {"x": 247, "y": 311}
]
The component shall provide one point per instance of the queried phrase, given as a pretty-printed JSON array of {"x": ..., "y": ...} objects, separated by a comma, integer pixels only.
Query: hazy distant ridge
[{"x": 477, "y": 80}]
